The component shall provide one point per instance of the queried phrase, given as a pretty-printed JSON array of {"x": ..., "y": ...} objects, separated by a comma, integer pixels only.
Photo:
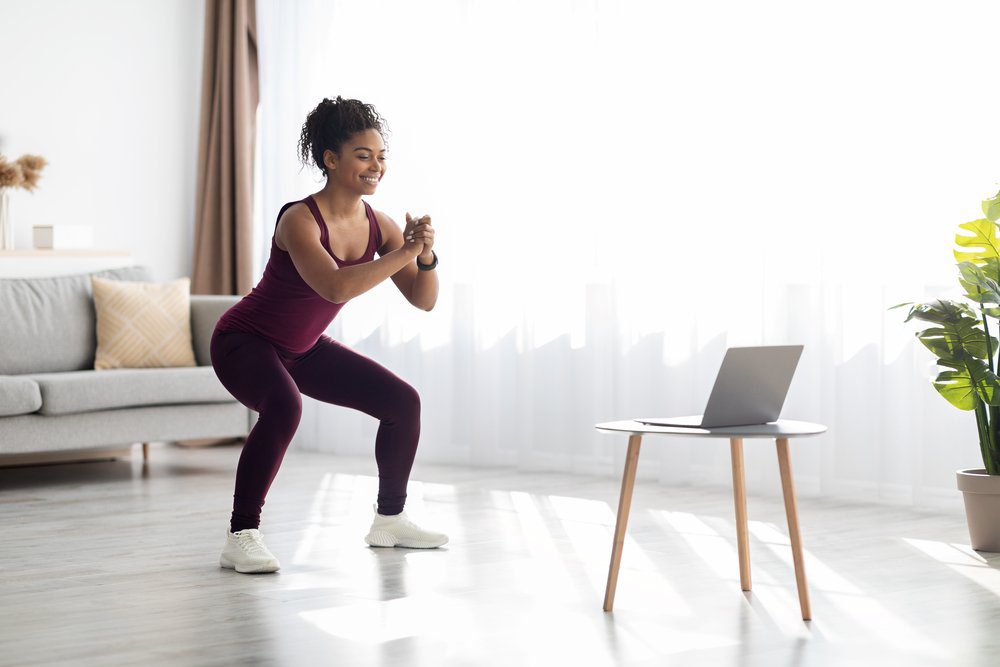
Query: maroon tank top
[{"x": 282, "y": 308}]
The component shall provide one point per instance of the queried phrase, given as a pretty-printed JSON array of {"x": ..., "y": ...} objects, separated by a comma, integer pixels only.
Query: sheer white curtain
[{"x": 622, "y": 190}]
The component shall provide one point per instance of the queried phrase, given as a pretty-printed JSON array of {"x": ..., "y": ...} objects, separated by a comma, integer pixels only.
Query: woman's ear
[{"x": 330, "y": 159}]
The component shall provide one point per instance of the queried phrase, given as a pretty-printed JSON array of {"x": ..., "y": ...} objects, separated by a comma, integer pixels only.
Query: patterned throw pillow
[{"x": 143, "y": 325}]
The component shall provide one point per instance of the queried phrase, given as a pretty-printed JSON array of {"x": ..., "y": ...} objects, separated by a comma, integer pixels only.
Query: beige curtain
[{"x": 223, "y": 237}]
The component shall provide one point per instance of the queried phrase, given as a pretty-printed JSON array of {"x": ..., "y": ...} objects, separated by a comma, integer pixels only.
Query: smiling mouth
[{"x": 369, "y": 179}]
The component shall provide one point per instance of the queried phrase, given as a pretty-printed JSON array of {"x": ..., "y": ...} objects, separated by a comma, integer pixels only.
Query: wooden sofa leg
[{"x": 145, "y": 452}]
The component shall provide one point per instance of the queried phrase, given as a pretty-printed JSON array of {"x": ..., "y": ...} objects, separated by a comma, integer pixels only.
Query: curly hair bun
[{"x": 332, "y": 123}]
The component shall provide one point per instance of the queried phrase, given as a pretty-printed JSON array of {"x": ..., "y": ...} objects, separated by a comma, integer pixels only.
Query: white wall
[{"x": 108, "y": 92}]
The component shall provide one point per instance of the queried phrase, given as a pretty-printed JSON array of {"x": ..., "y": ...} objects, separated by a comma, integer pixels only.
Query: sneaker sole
[
  {"x": 265, "y": 567},
  {"x": 380, "y": 538}
]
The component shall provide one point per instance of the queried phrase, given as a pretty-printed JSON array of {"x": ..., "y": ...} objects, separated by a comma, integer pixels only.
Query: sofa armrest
[{"x": 206, "y": 309}]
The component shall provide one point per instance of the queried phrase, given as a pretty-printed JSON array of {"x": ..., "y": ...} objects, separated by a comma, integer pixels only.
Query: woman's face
[{"x": 362, "y": 162}]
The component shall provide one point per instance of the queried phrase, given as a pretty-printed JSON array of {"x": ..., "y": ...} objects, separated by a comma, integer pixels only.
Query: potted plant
[{"x": 960, "y": 337}]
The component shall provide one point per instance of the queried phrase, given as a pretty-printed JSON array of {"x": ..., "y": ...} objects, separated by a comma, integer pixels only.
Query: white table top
[{"x": 783, "y": 428}]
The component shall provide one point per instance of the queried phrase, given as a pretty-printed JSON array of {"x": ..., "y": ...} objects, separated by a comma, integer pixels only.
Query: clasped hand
[{"x": 419, "y": 232}]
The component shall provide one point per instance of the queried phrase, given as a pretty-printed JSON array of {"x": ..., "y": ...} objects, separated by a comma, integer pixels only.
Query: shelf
[
  {"x": 47, "y": 263},
  {"x": 63, "y": 253}
]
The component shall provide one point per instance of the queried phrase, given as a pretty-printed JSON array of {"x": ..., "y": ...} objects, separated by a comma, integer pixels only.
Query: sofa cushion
[
  {"x": 143, "y": 324},
  {"x": 18, "y": 396},
  {"x": 87, "y": 391},
  {"x": 48, "y": 324}
]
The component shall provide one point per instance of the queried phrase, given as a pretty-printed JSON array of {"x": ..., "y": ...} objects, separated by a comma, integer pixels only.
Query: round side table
[{"x": 781, "y": 431}]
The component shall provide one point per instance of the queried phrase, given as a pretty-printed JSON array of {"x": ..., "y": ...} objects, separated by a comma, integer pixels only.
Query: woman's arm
[
  {"x": 425, "y": 285},
  {"x": 319, "y": 270}
]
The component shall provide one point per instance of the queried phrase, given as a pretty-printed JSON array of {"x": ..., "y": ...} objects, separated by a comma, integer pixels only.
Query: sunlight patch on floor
[
  {"x": 962, "y": 559},
  {"x": 864, "y": 613},
  {"x": 720, "y": 554}
]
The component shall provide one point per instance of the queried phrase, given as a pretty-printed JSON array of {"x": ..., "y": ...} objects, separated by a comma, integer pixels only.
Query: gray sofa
[{"x": 52, "y": 399}]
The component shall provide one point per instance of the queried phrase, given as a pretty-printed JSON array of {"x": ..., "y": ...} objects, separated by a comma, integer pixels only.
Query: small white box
[{"x": 63, "y": 237}]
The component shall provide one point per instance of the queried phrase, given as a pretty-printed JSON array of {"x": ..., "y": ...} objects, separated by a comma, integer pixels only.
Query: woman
[{"x": 269, "y": 348}]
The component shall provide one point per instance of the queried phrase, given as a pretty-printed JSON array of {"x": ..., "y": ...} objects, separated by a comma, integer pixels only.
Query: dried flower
[
  {"x": 32, "y": 162},
  {"x": 24, "y": 172},
  {"x": 11, "y": 175},
  {"x": 32, "y": 166}
]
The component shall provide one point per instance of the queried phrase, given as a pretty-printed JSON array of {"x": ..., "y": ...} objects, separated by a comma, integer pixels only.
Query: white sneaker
[
  {"x": 245, "y": 552},
  {"x": 398, "y": 531}
]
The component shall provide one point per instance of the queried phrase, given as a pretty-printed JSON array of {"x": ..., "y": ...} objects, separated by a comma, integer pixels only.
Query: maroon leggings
[{"x": 268, "y": 381}]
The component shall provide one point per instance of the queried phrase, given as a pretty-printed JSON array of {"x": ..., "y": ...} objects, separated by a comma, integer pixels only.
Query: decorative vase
[
  {"x": 982, "y": 507},
  {"x": 6, "y": 224}
]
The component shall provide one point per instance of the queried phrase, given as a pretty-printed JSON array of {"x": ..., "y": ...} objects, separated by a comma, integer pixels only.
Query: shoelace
[
  {"x": 252, "y": 543},
  {"x": 405, "y": 522}
]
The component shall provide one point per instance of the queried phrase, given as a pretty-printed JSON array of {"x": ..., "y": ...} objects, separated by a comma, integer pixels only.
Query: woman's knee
[
  {"x": 412, "y": 399},
  {"x": 284, "y": 408},
  {"x": 405, "y": 402}
]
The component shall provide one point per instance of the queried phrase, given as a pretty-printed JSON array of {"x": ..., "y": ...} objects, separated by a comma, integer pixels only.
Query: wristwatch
[{"x": 428, "y": 267}]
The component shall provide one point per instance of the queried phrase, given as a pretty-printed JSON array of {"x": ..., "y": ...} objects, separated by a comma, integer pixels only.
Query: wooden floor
[{"x": 116, "y": 563}]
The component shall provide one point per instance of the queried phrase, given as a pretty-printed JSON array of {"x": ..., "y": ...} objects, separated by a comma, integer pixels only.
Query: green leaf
[
  {"x": 941, "y": 311},
  {"x": 957, "y": 365},
  {"x": 958, "y": 389},
  {"x": 979, "y": 286},
  {"x": 991, "y": 208},
  {"x": 966, "y": 387},
  {"x": 957, "y": 336},
  {"x": 991, "y": 267},
  {"x": 953, "y": 341},
  {"x": 983, "y": 244}
]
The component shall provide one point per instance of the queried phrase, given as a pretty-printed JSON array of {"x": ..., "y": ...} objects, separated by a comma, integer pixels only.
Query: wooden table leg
[
  {"x": 740, "y": 498},
  {"x": 624, "y": 503},
  {"x": 792, "y": 513}
]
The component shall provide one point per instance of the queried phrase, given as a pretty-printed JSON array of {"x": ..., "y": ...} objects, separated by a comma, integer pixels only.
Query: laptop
[{"x": 750, "y": 389}]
